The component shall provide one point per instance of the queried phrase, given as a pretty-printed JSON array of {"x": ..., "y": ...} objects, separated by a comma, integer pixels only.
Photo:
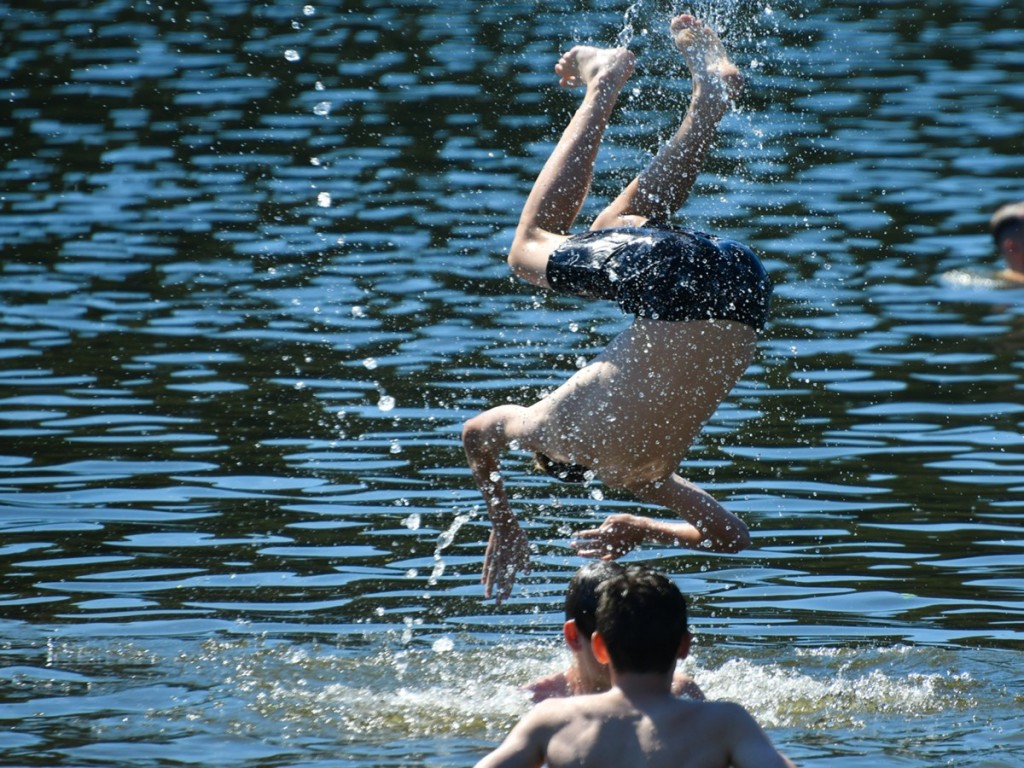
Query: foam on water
[{"x": 448, "y": 686}]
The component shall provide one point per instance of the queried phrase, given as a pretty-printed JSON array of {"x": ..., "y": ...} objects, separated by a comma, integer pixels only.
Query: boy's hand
[
  {"x": 616, "y": 536},
  {"x": 508, "y": 553}
]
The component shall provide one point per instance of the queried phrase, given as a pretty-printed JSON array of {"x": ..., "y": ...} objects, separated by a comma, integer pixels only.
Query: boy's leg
[
  {"x": 663, "y": 187},
  {"x": 563, "y": 184}
]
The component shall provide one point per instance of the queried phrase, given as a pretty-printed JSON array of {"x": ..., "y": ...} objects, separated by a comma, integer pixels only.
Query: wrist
[{"x": 503, "y": 522}]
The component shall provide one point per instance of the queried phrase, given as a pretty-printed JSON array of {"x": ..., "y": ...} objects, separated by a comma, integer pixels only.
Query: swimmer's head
[
  {"x": 581, "y": 596},
  {"x": 641, "y": 616},
  {"x": 1007, "y": 221},
  {"x": 562, "y": 470},
  {"x": 1007, "y": 227}
]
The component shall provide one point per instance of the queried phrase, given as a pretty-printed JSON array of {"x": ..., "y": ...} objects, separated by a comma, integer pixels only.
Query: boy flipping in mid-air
[
  {"x": 631, "y": 414},
  {"x": 641, "y": 631}
]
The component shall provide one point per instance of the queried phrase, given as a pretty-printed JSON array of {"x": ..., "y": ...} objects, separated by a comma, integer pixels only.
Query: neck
[
  {"x": 638, "y": 684},
  {"x": 583, "y": 679}
]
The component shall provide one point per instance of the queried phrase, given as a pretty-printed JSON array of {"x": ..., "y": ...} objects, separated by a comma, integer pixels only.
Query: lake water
[{"x": 253, "y": 281}]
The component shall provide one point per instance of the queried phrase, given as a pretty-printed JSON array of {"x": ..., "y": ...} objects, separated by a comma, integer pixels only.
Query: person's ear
[
  {"x": 684, "y": 646},
  {"x": 571, "y": 633},
  {"x": 599, "y": 648}
]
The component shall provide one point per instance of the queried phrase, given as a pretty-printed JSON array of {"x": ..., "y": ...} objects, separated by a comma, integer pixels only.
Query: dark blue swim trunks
[{"x": 664, "y": 273}]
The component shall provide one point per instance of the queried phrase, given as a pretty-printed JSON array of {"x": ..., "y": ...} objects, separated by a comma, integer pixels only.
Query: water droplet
[
  {"x": 308, "y": 10},
  {"x": 358, "y": 311},
  {"x": 396, "y": 447},
  {"x": 292, "y": 55},
  {"x": 369, "y": 363},
  {"x": 322, "y": 108},
  {"x": 413, "y": 521},
  {"x": 386, "y": 403},
  {"x": 324, "y": 199}
]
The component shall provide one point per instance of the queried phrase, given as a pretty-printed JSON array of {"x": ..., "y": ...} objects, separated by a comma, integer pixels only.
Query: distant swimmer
[
  {"x": 1007, "y": 227},
  {"x": 640, "y": 632},
  {"x": 585, "y": 674},
  {"x": 630, "y": 415}
]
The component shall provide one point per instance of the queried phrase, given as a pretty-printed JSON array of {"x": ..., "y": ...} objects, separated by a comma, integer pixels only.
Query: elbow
[
  {"x": 473, "y": 435},
  {"x": 482, "y": 440},
  {"x": 471, "y": 441}
]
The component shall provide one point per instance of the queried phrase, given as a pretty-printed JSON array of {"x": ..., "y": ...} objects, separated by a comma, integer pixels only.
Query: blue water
[{"x": 253, "y": 282}]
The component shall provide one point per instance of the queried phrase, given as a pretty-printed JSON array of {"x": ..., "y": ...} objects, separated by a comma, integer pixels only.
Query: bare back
[
  {"x": 634, "y": 411},
  {"x": 658, "y": 731},
  {"x": 672, "y": 732}
]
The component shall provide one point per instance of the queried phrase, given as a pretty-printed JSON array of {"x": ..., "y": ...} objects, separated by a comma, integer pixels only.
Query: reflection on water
[{"x": 253, "y": 283}]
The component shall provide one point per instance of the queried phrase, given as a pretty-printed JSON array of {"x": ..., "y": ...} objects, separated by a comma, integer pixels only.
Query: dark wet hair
[
  {"x": 581, "y": 596},
  {"x": 642, "y": 617},
  {"x": 562, "y": 470}
]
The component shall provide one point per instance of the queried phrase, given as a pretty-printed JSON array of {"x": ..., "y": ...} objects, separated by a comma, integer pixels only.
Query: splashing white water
[{"x": 625, "y": 36}]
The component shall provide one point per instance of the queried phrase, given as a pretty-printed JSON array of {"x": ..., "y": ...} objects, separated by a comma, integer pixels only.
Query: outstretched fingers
[{"x": 508, "y": 554}]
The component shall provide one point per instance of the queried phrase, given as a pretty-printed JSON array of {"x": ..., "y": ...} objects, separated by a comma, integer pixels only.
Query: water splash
[
  {"x": 625, "y": 36},
  {"x": 722, "y": 15},
  {"x": 443, "y": 542},
  {"x": 784, "y": 696}
]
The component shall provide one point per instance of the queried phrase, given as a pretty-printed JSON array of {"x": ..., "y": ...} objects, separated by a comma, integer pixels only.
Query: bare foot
[
  {"x": 712, "y": 70},
  {"x": 587, "y": 65}
]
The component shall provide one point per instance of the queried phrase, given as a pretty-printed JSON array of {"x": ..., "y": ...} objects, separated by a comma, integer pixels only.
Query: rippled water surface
[{"x": 253, "y": 282}]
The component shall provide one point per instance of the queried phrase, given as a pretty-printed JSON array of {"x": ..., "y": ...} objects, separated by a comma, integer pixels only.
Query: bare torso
[
  {"x": 633, "y": 412},
  {"x": 609, "y": 730}
]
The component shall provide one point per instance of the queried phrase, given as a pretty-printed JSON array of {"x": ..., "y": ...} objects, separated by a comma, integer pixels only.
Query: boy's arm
[
  {"x": 525, "y": 746},
  {"x": 718, "y": 529},
  {"x": 484, "y": 438},
  {"x": 684, "y": 685},
  {"x": 751, "y": 747},
  {"x": 622, "y": 533},
  {"x": 554, "y": 686},
  {"x": 707, "y": 524}
]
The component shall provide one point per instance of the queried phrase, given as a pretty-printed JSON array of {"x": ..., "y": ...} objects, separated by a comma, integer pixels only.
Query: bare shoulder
[
  {"x": 558, "y": 708},
  {"x": 726, "y": 713},
  {"x": 526, "y": 744},
  {"x": 748, "y": 744}
]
